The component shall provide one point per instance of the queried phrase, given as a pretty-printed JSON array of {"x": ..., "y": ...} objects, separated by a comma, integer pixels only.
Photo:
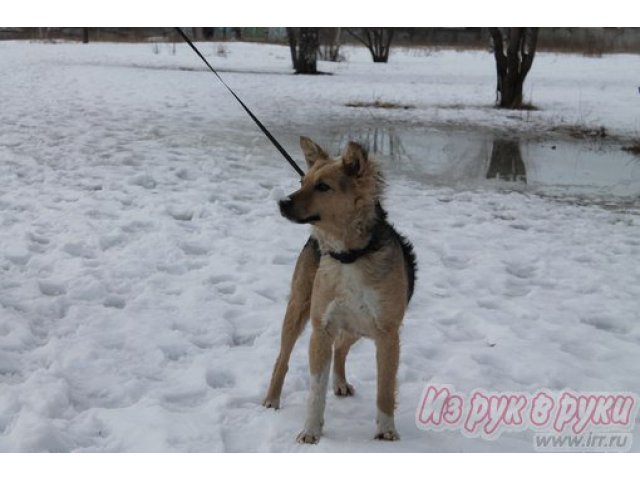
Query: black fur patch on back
[{"x": 410, "y": 261}]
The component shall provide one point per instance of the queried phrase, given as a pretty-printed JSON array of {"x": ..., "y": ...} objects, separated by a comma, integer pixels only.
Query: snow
[{"x": 145, "y": 269}]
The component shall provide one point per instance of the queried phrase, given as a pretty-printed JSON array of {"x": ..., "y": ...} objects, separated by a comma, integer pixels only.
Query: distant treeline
[{"x": 590, "y": 41}]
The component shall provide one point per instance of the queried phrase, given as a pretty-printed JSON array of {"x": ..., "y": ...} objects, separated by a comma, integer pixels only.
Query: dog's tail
[{"x": 410, "y": 263}]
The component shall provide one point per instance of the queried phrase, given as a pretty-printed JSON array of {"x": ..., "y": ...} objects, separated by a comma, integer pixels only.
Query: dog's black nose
[{"x": 285, "y": 206}]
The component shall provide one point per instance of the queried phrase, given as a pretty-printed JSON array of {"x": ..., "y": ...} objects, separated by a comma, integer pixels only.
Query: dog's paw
[
  {"x": 389, "y": 435},
  {"x": 343, "y": 389},
  {"x": 271, "y": 403},
  {"x": 308, "y": 437}
]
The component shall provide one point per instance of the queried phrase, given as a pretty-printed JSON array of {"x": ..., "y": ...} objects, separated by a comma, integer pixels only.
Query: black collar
[{"x": 354, "y": 254}]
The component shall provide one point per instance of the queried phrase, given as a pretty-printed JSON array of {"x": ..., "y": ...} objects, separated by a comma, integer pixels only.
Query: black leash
[{"x": 254, "y": 118}]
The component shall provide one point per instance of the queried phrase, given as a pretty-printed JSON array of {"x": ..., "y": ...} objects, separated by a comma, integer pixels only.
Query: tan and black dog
[{"x": 353, "y": 278}]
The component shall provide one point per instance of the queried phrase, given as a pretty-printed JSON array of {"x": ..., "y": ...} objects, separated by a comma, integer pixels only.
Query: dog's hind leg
[
  {"x": 341, "y": 349},
  {"x": 295, "y": 318}
]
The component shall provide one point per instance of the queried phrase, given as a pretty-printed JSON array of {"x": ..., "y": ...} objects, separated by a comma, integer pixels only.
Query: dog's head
[{"x": 334, "y": 191}]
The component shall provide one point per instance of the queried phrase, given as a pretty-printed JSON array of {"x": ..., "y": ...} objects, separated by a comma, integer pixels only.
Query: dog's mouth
[
  {"x": 293, "y": 218},
  {"x": 287, "y": 211},
  {"x": 311, "y": 219}
]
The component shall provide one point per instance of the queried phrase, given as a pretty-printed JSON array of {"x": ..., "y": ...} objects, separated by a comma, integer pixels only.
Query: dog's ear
[
  {"x": 312, "y": 151},
  {"x": 354, "y": 160}
]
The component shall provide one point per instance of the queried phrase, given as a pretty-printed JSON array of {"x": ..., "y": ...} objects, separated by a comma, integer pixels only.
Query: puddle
[{"x": 588, "y": 172}]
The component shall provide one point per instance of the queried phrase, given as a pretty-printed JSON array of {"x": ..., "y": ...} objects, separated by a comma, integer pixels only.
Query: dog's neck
[{"x": 355, "y": 235}]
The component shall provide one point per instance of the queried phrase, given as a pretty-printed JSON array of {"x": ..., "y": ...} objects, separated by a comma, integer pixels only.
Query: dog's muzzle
[{"x": 286, "y": 210}]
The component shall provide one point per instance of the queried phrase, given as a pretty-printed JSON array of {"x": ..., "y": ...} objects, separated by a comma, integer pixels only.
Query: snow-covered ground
[{"x": 144, "y": 268}]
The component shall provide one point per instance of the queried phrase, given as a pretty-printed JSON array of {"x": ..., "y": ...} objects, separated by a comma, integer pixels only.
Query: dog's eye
[{"x": 322, "y": 187}]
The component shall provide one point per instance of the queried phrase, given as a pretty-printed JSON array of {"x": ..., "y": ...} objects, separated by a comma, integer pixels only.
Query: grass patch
[
  {"x": 379, "y": 104},
  {"x": 581, "y": 132},
  {"x": 633, "y": 149},
  {"x": 527, "y": 107}
]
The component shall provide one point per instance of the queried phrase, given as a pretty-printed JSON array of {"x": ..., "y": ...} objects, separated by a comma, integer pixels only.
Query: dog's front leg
[
  {"x": 293, "y": 325},
  {"x": 387, "y": 356},
  {"x": 319, "y": 365},
  {"x": 295, "y": 319}
]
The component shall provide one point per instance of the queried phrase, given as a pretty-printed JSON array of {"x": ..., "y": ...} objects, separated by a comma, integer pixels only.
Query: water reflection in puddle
[
  {"x": 580, "y": 172},
  {"x": 505, "y": 162}
]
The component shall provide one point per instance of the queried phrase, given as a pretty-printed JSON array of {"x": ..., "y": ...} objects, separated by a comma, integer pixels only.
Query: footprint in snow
[
  {"x": 237, "y": 300},
  {"x": 113, "y": 301},
  {"x": 181, "y": 214},
  {"x": 108, "y": 241},
  {"x": 520, "y": 270},
  {"x": 17, "y": 254},
  {"x": 605, "y": 323},
  {"x": 216, "y": 279},
  {"x": 144, "y": 181},
  {"x": 195, "y": 248},
  {"x": 51, "y": 288},
  {"x": 39, "y": 239},
  {"x": 137, "y": 226},
  {"x": 243, "y": 340},
  {"x": 220, "y": 379},
  {"x": 188, "y": 398},
  {"x": 231, "y": 315},
  {"x": 269, "y": 294},
  {"x": 226, "y": 289},
  {"x": 282, "y": 260},
  {"x": 512, "y": 289},
  {"x": 184, "y": 174},
  {"x": 238, "y": 208},
  {"x": 455, "y": 262},
  {"x": 79, "y": 249}
]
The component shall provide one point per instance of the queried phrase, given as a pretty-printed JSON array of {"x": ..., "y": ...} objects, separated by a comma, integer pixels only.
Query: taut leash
[{"x": 273, "y": 140}]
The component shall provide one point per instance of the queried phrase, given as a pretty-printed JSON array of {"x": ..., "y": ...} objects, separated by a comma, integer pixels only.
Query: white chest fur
[{"x": 355, "y": 306}]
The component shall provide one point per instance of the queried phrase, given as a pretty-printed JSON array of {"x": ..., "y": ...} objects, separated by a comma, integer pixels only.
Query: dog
[{"x": 354, "y": 278}]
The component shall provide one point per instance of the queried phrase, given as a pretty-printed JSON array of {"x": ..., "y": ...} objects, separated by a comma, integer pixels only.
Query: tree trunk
[
  {"x": 334, "y": 48},
  {"x": 514, "y": 49},
  {"x": 85, "y": 35},
  {"x": 293, "y": 45},
  {"x": 303, "y": 43}
]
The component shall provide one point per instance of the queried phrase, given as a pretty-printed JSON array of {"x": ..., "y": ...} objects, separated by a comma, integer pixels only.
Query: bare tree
[
  {"x": 377, "y": 40},
  {"x": 197, "y": 33},
  {"x": 303, "y": 43},
  {"x": 514, "y": 49},
  {"x": 43, "y": 33},
  {"x": 330, "y": 44},
  {"x": 208, "y": 33}
]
